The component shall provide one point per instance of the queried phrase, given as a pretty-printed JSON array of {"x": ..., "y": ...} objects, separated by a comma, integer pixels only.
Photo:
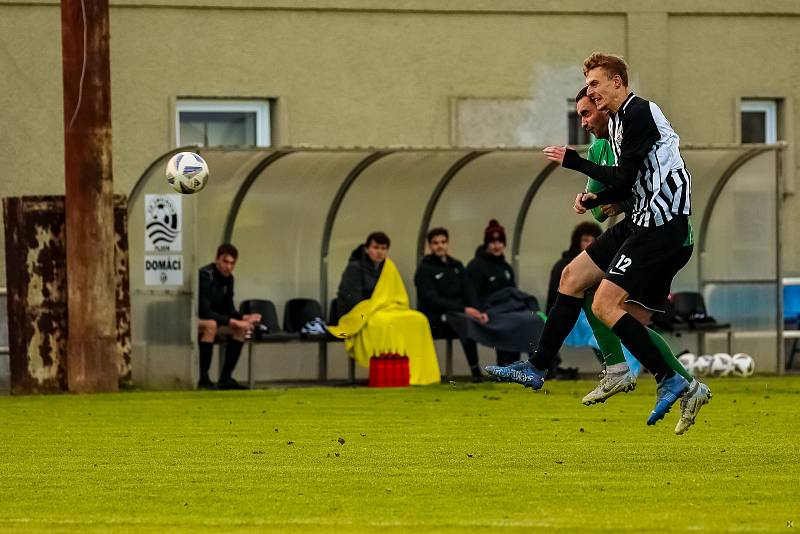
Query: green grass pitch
[{"x": 451, "y": 458}]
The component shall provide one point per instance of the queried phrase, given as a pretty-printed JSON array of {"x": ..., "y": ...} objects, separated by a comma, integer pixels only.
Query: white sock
[{"x": 617, "y": 368}]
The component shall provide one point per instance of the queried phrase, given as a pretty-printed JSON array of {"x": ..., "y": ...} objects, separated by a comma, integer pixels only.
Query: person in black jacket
[
  {"x": 490, "y": 272},
  {"x": 444, "y": 286},
  {"x": 582, "y": 236},
  {"x": 362, "y": 272},
  {"x": 218, "y": 315}
]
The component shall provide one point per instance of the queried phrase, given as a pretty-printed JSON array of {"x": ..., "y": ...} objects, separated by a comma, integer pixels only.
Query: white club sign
[{"x": 163, "y": 235}]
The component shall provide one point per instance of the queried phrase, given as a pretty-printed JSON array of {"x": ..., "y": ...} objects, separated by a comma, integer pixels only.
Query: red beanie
[{"x": 493, "y": 232}]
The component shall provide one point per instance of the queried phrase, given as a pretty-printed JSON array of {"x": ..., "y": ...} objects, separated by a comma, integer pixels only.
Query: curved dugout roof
[{"x": 296, "y": 214}]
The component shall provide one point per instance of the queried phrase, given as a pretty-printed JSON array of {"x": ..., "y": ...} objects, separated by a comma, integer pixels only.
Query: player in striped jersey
[
  {"x": 617, "y": 376},
  {"x": 637, "y": 258}
]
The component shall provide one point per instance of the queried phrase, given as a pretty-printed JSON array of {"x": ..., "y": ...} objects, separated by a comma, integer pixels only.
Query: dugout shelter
[{"x": 296, "y": 213}]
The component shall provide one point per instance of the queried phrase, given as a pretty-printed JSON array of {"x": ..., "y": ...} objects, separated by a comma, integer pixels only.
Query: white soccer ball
[
  {"x": 721, "y": 364},
  {"x": 687, "y": 360},
  {"x": 187, "y": 173},
  {"x": 702, "y": 365},
  {"x": 743, "y": 365}
]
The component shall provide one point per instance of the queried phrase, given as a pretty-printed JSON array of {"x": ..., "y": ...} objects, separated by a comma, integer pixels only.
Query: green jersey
[{"x": 600, "y": 152}]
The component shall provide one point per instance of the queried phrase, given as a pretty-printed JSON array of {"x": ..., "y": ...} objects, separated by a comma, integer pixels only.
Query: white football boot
[
  {"x": 697, "y": 395},
  {"x": 610, "y": 384}
]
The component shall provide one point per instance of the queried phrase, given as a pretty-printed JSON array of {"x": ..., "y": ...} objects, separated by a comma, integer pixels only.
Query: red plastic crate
[{"x": 388, "y": 370}]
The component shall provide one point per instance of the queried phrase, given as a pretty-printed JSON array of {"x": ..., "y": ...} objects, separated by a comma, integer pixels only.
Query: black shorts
[{"x": 643, "y": 261}]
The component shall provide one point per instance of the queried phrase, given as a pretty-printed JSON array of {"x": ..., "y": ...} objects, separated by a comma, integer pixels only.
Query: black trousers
[{"x": 442, "y": 330}]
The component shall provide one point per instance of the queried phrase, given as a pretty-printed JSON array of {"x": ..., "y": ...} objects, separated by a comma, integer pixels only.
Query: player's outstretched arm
[{"x": 613, "y": 195}]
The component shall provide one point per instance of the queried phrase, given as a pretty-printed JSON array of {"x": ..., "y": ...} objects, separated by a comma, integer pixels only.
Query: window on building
[
  {"x": 759, "y": 120},
  {"x": 575, "y": 134},
  {"x": 223, "y": 122}
]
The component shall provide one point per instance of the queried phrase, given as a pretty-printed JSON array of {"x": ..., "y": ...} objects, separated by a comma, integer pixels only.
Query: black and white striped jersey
[{"x": 648, "y": 162}]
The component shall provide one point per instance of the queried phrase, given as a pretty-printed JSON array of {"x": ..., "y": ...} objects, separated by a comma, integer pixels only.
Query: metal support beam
[
  {"x": 333, "y": 211},
  {"x": 527, "y": 200}
]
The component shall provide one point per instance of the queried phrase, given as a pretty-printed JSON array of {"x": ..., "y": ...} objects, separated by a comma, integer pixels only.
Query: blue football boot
[
  {"x": 667, "y": 394},
  {"x": 521, "y": 372}
]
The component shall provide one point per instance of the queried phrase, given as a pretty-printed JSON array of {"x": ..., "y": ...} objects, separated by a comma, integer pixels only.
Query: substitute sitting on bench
[
  {"x": 218, "y": 316},
  {"x": 377, "y": 319}
]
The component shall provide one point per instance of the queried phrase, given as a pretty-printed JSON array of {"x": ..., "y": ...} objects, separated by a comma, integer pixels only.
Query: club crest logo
[{"x": 162, "y": 223}]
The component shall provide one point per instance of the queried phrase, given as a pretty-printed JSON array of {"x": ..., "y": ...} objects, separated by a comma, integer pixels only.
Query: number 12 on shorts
[{"x": 623, "y": 263}]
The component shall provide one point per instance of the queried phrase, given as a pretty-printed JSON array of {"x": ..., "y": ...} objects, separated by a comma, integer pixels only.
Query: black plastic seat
[
  {"x": 690, "y": 308},
  {"x": 269, "y": 317},
  {"x": 686, "y": 313},
  {"x": 298, "y": 312}
]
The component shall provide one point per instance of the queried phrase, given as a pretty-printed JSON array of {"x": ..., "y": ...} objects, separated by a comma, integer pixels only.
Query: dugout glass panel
[
  {"x": 155, "y": 330},
  {"x": 751, "y": 308},
  {"x": 390, "y": 196},
  {"x": 280, "y": 224},
  {"x": 491, "y": 187},
  {"x": 278, "y": 230},
  {"x": 740, "y": 238},
  {"x": 547, "y": 231},
  {"x": 707, "y": 166}
]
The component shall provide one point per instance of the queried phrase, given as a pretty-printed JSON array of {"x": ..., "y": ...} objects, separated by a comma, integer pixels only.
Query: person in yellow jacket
[{"x": 382, "y": 321}]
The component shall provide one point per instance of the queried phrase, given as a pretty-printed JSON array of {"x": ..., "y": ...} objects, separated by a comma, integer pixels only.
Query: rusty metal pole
[{"x": 91, "y": 305}]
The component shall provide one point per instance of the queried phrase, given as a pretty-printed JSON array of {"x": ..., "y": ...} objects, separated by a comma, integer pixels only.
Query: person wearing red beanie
[{"x": 490, "y": 272}]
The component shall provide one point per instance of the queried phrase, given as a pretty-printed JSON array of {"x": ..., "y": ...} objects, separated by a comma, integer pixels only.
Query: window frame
[
  {"x": 262, "y": 109},
  {"x": 590, "y": 138},
  {"x": 770, "y": 109}
]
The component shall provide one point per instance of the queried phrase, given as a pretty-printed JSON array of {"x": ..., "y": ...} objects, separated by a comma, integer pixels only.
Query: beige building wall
[{"x": 377, "y": 72}]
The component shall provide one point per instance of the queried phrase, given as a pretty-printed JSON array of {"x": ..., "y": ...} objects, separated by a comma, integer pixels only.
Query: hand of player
[
  {"x": 578, "y": 206},
  {"x": 555, "y": 153},
  {"x": 240, "y": 324},
  {"x": 609, "y": 210},
  {"x": 252, "y": 318}
]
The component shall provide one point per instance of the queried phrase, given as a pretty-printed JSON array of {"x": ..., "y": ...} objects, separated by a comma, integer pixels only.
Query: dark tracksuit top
[
  {"x": 216, "y": 296},
  {"x": 358, "y": 280},
  {"x": 488, "y": 274},
  {"x": 443, "y": 286}
]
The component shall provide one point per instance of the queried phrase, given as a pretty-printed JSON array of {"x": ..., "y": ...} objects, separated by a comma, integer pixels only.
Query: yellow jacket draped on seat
[{"x": 384, "y": 324}]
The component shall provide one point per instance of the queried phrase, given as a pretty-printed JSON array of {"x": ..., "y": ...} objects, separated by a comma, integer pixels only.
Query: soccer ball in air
[
  {"x": 721, "y": 364},
  {"x": 743, "y": 365},
  {"x": 187, "y": 173}
]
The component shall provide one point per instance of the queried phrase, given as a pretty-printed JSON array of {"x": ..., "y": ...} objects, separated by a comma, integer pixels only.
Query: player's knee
[
  {"x": 567, "y": 284},
  {"x": 208, "y": 329},
  {"x": 640, "y": 313},
  {"x": 604, "y": 310}
]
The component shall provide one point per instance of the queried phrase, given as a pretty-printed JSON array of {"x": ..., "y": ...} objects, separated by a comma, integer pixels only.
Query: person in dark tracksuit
[
  {"x": 218, "y": 315},
  {"x": 443, "y": 285},
  {"x": 362, "y": 272},
  {"x": 490, "y": 272}
]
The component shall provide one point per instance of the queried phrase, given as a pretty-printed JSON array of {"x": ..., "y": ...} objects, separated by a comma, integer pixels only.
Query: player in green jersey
[{"x": 616, "y": 375}]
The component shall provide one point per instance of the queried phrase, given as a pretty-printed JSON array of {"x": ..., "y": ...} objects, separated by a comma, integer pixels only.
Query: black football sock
[
  {"x": 232, "y": 353},
  {"x": 206, "y": 352},
  {"x": 506, "y": 357},
  {"x": 635, "y": 336},
  {"x": 471, "y": 352},
  {"x": 559, "y": 324}
]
